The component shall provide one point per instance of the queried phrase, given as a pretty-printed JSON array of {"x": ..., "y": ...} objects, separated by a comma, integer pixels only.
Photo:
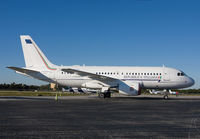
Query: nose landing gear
[
  {"x": 166, "y": 97},
  {"x": 166, "y": 93}
]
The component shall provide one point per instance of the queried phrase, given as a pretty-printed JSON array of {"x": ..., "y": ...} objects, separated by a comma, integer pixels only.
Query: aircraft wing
[
  {"x": 90, "y": 75},
  {"x": 125, "y": 87}
]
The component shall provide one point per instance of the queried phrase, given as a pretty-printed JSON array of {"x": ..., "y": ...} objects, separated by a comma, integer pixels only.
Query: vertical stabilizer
[{"x": 33, "y": 56}]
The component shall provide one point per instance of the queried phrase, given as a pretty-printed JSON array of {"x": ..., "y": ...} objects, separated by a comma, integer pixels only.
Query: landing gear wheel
[
  {"x": 166, "y": 97},
  {"x": 101, "y": 95},
  {"x": 107, "y": 95},
  {"x": 104, "y": 95}
]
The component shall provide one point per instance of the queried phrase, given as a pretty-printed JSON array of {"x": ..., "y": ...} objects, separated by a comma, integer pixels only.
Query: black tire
[
  {"x": 108, "y": 94},
  {"x": 166, "y": 97},
  {"x": 101, "y": 95},
  {"x": 105, "y": 95}
]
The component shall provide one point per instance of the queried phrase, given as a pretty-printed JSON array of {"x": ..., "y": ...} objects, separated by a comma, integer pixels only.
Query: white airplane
[
  {"x": 87, "y": 90},
  {"x": 173, "y": 92},
  {"x": 79, "y": 90},
  {"x": 163, "y": 92},
  {"x": 127, "y": 80},
  {"x": 157, "y": 92},
  {"x": 71, "y": 89}
]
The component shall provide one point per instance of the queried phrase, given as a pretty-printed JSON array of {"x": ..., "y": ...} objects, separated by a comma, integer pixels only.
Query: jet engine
[{"x": 129, "y": 88}]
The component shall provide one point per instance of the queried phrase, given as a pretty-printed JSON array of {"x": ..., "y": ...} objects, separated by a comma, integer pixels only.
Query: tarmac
[{"x": 90, "y": 117}]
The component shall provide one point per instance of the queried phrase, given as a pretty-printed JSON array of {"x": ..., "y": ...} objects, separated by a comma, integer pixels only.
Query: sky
[{"x": 102, "y": 32}]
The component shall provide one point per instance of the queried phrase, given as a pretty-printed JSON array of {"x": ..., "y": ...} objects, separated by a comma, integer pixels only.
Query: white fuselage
[{"x": 147, "y": 77}]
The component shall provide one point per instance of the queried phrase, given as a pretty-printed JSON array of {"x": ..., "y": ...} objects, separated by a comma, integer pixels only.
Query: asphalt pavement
[{"x": 91, "y": 117}]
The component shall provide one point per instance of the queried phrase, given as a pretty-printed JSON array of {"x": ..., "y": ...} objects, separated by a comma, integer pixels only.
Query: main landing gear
[{"x": 104, "y": 95}]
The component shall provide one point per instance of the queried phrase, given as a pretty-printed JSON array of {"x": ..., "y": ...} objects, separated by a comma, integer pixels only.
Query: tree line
[{"x": 24, "y": 87}]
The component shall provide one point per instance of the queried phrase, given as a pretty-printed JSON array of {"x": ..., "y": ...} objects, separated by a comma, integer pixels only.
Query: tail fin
[{"x": 33, "y": 56}]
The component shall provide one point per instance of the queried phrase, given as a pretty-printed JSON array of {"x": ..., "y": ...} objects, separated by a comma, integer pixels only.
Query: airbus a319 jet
[{"x": 126, "y": 80}]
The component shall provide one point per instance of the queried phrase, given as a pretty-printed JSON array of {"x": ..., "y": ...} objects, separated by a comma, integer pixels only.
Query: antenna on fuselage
[{"x": 163, "y": 66}]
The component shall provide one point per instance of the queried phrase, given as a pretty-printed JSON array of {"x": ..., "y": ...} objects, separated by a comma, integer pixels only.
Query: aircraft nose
[{"x": 191, "y": 81}]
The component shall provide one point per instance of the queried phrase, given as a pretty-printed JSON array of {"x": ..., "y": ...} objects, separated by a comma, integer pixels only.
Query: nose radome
[{"x": 191, "y": 81}]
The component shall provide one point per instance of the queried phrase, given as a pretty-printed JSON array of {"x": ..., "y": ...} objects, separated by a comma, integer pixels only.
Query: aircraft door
[{"x": 166, "y": 76}]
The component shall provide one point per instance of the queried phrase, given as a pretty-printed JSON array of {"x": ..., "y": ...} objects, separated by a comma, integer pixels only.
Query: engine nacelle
[{"x": 129, "y": 88}]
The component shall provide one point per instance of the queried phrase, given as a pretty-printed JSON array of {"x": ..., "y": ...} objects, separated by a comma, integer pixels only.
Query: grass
[{"x": 42, "y": 93}]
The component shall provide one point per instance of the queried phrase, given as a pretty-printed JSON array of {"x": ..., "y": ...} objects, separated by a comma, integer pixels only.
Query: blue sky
[{"x": 98, "y": 32}]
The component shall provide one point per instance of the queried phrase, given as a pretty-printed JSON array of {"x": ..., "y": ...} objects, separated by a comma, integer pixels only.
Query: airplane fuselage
[{"x": 147, "y": 77}]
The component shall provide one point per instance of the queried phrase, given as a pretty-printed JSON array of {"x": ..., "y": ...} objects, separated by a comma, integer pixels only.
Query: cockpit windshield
[{"x": 181, "y": 74}]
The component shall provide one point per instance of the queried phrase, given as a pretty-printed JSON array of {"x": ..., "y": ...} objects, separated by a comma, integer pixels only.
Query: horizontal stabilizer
[
  {"x": 32, "y": 73},
  {"x": 22, "y": 70}
]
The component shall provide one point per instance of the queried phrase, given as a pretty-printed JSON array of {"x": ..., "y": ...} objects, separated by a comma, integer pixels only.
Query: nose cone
[{"x": 190, "y": 81}]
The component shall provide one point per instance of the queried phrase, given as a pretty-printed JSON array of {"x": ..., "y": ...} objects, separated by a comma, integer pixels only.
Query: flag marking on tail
[
  {"x": 46, "y": 64},
  {"x": 28, "y": 41}
]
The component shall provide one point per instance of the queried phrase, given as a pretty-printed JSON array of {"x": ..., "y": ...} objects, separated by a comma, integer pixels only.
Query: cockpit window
[{"x": 180, "y": 74}]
